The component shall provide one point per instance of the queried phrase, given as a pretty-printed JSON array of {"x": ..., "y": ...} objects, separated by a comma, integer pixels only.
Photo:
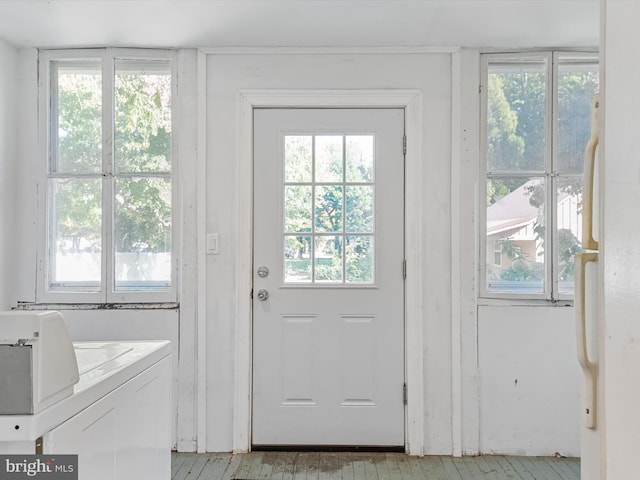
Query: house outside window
[
  {"x": 497, "y": 257},
  {"x": 535, "y": 126},
  {"x": 108, "y": 188}
]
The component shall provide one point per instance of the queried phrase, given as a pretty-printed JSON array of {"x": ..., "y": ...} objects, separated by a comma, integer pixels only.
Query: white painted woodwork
[
  {"x": 465, "y": 153},
  {"x": 190, "y": 414},
  {"x": 8, "y": 154},
  {"x": 328, "y": 359},
  {"x": 26, "y": 181}
]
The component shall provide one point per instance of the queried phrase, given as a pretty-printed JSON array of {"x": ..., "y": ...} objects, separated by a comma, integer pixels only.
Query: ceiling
[{"x": 317, "y": 23}]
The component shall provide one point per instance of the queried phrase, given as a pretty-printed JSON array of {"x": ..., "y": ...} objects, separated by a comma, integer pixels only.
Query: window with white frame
[
  {"x": 535, "y": 126},
  {"x": 109, "y": 191}
]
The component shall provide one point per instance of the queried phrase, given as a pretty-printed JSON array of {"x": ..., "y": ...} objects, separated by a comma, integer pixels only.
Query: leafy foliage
[
  {"x": 341, "y": 213},
  {"x": 523, "y": 271},
  {"x": 142, "y": 145},
  {"x": 516, "y": 143}
]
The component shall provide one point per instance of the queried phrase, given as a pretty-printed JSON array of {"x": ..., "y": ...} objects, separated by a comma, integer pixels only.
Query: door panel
[{"x": 328, "y": 313}]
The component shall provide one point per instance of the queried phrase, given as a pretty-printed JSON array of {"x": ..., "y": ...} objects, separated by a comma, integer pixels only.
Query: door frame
[{"x": 411, "y": 101}]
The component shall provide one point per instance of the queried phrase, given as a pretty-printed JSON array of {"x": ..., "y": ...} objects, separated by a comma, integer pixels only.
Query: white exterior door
[{"x": 328, "y": 288}]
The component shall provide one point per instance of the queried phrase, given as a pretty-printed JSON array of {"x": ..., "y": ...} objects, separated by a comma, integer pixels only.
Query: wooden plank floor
[{"x": 369, "y": 466}]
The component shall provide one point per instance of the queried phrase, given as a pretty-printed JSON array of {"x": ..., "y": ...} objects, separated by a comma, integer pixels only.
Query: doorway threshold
[{"x": 330, "y": 448}]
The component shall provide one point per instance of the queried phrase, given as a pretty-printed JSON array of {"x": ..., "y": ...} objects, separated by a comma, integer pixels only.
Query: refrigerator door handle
[
  {"x": 589, "y": 368},
  {"x": 588, "y": 242}
]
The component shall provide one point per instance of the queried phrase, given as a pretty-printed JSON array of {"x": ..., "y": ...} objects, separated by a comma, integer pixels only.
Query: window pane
[
  {"x": 328, "y": 158},
  {"x": 76, "y": 235},
  {"x": 516, "y": 116},
  {"x": 359, "y": 257},
  {"x": 142, "y": 116},
  {"x": 569, "y": 224},
  {"x": 515, "y": 227},
  {"x": 359, "y": 158},
  {"x": 297, "y": 208},
  {"x": 327, "y": 205},
  {"x": 297, "y": 158},
  {"x": 142, "y": 233},
  {"x": 359, "y": 205},
  {"x": 328, "y": 209},
  {"x": 328, "y": 258},
  {"x": 297, "y": 259},
  {"x": 78, "y": 120},
  {"x": 577, "y": 84}
]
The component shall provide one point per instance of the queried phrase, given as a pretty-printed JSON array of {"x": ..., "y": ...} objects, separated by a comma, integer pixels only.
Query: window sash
[
  {"x": 554, "y": 290},
  {"x": 84, "y": 292}
]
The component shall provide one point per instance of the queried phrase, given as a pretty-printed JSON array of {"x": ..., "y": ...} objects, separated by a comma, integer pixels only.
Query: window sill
[
  {"x": 523, "y": 302},
  {"x": 99, "y": 306}
]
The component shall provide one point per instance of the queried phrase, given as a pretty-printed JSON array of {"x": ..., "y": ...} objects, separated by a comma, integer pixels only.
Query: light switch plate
[{"x": 213, "y": 244}]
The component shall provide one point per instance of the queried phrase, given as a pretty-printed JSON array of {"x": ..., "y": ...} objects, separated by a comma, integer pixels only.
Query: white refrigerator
[
  {"x": 611, "y": 450},
  {"x": 586, "y": 302}
]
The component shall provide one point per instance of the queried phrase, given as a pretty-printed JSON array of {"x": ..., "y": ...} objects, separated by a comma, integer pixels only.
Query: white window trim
[
  {"x": 105, "y": 295},
  {"x": 551, "y": 287}
]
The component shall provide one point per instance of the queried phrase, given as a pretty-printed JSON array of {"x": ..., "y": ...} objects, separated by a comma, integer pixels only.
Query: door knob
[{"x": 263, "y": 295}]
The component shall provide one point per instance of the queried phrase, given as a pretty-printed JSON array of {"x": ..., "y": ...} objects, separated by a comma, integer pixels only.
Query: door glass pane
[
  {"x": 328, "y": 209},
  {"x": 297, "y": 259},
  {"x": 359, "y": 206},
  {"x": 359, "y": 158},
  {"x": 516, "y": 116},
  {"x": 297, "y": 158},
  {"x": 328, "y": 258},
  {"x": 76, "y": 237},
  {"x": 515, "y": 228},
  {"x": 336, "y": 202},
  {"x": 328, "y": 158},
  {"x": 577, "y": 84},
  {"x": 142, "y": 116},
  {"x": 359, "y": 258},
  {"x": 297, "y": 208},
  {"x": 78, "y": 128},
  {"x": 142, "y": 233},
  {"x": 569, "y": 224}
]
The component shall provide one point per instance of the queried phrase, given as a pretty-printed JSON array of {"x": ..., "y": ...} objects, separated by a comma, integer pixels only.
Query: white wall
[
  {"x": 229, "y": 73},
  {"x": 8, "y": 131},
  {"x": 529, "y": 381}
]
